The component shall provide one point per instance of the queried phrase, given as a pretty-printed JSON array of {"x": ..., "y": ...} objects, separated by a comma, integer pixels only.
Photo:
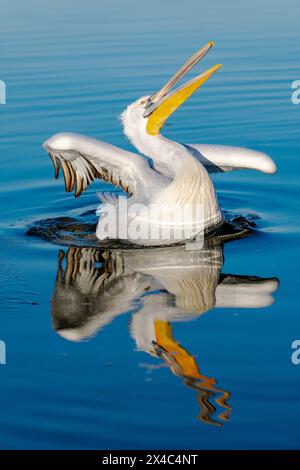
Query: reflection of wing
[
  {"x": 245, "y": 291},
  {"x": 218, "y": 158},
  {"x": 91, "y": 291},
  {"x": 84, "y": 159}
]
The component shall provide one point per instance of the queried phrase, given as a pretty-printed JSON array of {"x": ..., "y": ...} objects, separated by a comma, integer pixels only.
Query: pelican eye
[{"x": 143, "y": 103}]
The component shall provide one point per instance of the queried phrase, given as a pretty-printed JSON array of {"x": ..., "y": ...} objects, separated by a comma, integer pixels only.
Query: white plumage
[{"x": 178, "y": 176}]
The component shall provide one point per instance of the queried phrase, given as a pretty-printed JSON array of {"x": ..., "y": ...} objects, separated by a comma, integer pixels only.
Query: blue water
[{"x": 74, "y": 66}]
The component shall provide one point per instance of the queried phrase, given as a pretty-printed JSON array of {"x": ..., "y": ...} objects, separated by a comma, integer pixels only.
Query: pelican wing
[
  {"x": 219, "y": 158},
  {"x": 83, "y": 159}
]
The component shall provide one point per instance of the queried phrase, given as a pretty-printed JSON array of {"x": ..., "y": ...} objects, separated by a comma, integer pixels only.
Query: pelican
[{"x": 164, "y": 178}]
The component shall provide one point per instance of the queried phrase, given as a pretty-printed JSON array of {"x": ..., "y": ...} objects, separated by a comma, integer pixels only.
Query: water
[{"x": 74, "y": 66}]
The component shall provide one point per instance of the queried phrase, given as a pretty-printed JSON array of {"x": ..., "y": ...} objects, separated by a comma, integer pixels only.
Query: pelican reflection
[{"x": 158, "y": 286}]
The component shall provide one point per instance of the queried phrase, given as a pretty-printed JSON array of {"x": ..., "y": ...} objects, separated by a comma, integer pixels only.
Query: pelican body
[{"x": 170, "y": 198}]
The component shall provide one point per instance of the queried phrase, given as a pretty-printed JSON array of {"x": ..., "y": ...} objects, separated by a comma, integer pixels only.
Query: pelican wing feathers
[{"x": 83, "y": 159}]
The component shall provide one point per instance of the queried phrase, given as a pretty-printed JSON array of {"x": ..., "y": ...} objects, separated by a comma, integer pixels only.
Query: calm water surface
[{"x": 74, "y": 66}]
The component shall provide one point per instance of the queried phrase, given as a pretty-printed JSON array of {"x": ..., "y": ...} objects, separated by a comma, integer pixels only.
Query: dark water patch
[
  {"x": 64, "y": 231},
  {"x": 80, "y": 231}
]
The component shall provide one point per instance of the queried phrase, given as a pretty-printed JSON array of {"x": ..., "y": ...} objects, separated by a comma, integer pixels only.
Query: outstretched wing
[
  {"x": 83, "y": 159},
  {"x": 219, "y": 158}
]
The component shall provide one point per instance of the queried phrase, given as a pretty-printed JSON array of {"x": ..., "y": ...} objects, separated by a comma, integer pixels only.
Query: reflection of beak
[{"x": 164, "y": 102}]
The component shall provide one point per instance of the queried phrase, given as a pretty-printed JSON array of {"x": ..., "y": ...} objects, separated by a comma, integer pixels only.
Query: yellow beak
[{"x": 175, "y": 99}]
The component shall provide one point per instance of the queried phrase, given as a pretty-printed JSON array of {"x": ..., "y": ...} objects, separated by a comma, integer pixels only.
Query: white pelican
[{"x": 178, "y": 176}]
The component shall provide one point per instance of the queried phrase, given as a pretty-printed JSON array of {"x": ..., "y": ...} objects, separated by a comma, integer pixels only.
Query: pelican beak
[{"x": 164, "y": 102}]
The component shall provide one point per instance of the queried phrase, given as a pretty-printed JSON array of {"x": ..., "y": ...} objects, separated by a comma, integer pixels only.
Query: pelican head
[{"x": 147, "y": 115}]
